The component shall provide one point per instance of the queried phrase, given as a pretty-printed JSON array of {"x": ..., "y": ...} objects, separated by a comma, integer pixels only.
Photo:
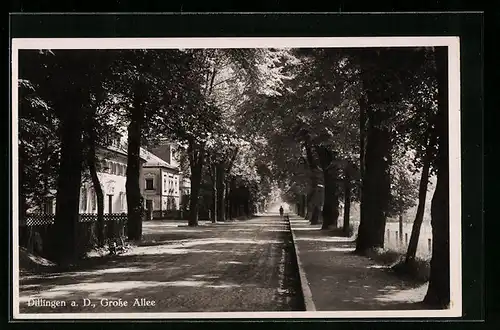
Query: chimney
[
  {"x": 168, "y": 148},
  {"x": 164, "y": 152}
]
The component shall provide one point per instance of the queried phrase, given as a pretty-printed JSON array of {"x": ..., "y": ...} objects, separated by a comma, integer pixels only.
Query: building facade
[
  {"x": 112, "y": 174},
  {"x": 161, "y": 183}
]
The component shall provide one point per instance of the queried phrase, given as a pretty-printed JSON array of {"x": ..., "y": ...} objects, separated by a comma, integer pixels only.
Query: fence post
[
  {"x": 406, "y": 238},
  {"x": 388, "y": 235},
  {"x": 397, "y": 234},
  {"x": 429, "y": 244}
]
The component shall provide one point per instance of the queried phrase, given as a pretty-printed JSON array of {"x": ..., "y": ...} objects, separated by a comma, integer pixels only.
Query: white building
[
  {"x": 112, "y": 174},
  {"x": 161, "y": 182}
]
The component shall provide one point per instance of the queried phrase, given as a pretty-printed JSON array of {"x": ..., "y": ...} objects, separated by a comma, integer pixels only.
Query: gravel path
[{"x": 232, "y": 266}]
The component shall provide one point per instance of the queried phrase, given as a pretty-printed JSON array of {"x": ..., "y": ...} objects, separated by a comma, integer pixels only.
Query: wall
[
  {"x": 170, "y": 188},
  {"x": 165, "y": 184},
  {"x": 112, "y": 176},
  {"x": 154, "y": 194}
]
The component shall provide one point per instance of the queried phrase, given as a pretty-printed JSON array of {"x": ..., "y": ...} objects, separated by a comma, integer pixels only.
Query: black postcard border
[{"x": 469, "y": 27}]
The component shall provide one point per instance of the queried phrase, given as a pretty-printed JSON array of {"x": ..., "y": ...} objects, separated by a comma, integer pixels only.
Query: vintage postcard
[{"x": 207, "y": 178}]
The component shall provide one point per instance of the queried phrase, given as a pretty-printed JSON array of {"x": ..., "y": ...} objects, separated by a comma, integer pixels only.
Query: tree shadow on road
[{"x": 190, "y": 271}]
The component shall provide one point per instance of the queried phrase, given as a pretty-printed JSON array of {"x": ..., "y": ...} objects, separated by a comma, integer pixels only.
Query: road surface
[{"x": 233, "y": 266}]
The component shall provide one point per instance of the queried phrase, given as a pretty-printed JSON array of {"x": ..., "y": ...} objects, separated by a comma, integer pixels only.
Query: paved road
[{"x": 233, "y": 266}]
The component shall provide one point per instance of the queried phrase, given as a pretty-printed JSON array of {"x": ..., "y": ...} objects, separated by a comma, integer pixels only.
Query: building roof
[
  {"x": 149, "y": 159},
  {"x": 122, "y": 149},
  {"x": 51, "y": 193},
  {"x": 154, "y": 161}
]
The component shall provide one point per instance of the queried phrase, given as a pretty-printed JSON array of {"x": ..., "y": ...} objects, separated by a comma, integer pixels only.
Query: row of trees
[
  {"x": 359, "y": 124},
  {"x": 72, "y": 101},
  {"x": 325, "y": 124}
]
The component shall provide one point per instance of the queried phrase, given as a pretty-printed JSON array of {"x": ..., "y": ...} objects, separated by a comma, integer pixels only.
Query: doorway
[
  {"x": 149, "y": 209},
  {"x": 110, "y": 204}
]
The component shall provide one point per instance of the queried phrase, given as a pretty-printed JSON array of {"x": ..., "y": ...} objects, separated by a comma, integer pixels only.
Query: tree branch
[{"x": 232, "y": 160}]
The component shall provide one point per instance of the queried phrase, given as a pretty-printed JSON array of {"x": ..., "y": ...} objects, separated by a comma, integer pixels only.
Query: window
[
  {"x": 149, "y": 184},
  {"x": 83, "y": 200},
  {"x": 122, "y": 201},
  {"x": 103, "y": 166},
  {"x": 47, "y": 206},
  {"x": 94, "y": 201}
]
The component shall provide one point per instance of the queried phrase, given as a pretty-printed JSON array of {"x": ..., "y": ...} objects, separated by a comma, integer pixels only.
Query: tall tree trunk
[
  {"x": 383, "y": 90},
  {"x": 313, "y": 215},
  {"x": 235, "y": 202},
  {"x": 228, "y": 201},
  {"x": 193, "y": 202},
  {"x": 307, "y": 203},
  {"x": 46, "y": 167},
  {"x": 362, "y": 150},
  {"x": 362, "y": 136},
  {"x": 23, "y": 191},
  {"x": 401, "y": 228},
  {"x": 91, "y": 163},
  {"x": 419, "y": 217},
  {"x": 313, "y": 208},
  {"x": 196, "y": 157},
  {"x": 347, "y": 202},
  {"x": 331, "y": 205},
  {"x": 438, "y": 293},
  {"x": 246, "y": 205},
  {"x": 376, "y": 184},
  {"x": 221, "y": 192},
  {"x": 134, "y": 198},
  {"x": 331, "y": 202},
  {"x": 222, "y": 169},
  {"x": 382, "y": 86},
  {"x": 303, "y": 205},
  {"x": 215, "y": 195},
  {"x": 68, "y": 187}
]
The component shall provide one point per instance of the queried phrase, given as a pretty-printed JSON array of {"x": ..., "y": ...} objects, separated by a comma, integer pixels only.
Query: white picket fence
[{"x": 392, "y": 238}]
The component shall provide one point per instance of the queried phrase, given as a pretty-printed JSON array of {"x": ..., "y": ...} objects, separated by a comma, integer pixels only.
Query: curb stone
[{"x": 304, "y": 284}]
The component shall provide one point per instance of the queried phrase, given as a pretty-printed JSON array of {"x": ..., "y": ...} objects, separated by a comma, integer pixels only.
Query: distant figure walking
[{"x": 281, "y": 211}]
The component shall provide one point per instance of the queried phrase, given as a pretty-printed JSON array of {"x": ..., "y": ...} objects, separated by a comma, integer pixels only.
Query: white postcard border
[{"x": 344, "y": 42}]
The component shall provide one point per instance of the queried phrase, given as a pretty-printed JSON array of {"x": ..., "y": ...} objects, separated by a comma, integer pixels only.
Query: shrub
[
  {"x": 384, "y": 256},
  {"x": 417, "y": 270},
  {"x": 340, "y": 232}
]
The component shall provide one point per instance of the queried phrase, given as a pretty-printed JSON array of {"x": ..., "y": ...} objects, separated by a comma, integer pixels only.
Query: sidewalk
[{"x": 334, "y": 279}]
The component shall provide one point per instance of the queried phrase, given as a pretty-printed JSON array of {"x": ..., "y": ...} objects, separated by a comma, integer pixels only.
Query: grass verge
[
  {"x": 417, "y": 270},
  {"x": 342, "y": 233}
]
